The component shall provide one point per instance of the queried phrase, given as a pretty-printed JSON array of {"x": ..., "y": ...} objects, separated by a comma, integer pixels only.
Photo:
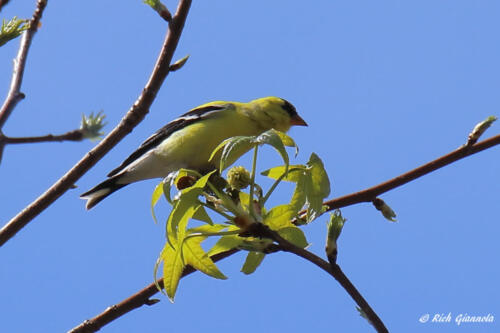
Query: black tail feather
[{"x": 101, "y": 191}]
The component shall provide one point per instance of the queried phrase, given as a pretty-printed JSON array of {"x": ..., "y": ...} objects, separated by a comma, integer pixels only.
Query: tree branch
[
  {"x": 142, "y": 297},
  {"x": 371, "y": 193},
  {"x": 75, "y": 135},
  {"x": 135, "y": 301},
  {"x": 261, "y": 230},
  {"x": 133, "y": 117},
  {"x": 15, "y": 95},
  {"x": 3, "y": 3}
]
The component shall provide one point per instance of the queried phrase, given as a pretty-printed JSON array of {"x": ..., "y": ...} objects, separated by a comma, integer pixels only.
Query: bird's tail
[{"x": 101, "y": 191}]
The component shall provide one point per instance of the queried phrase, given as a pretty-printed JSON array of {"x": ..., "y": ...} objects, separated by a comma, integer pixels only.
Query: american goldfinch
[{"x": 188, "y": 141}]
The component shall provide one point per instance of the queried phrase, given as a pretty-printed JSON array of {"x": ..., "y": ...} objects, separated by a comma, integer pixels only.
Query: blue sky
[{"x": 384, "y": 85}]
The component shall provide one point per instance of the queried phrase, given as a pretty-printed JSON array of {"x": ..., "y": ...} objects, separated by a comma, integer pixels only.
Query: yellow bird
[{"x": 188, "y": 141}]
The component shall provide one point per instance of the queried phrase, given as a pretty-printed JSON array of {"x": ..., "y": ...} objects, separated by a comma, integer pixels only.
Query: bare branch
[
  {"x": 2, "y": 146},
  {"x": 133, "y": 117},
  {"x": 135, "y": 301},
  {"x": 15, "y": 95},
  {"x": 371, "y": 193},
  {"x": 142, "y": 297},
  {"x": 261, "y": 230},
  {"x": 3, "y": 3},
  {"x": 160, "y": 8},
  {"x": 75, "y": 135}
]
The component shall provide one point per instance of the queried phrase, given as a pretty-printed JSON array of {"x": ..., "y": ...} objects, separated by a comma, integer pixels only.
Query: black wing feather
[{"x": 154, "y": 140}]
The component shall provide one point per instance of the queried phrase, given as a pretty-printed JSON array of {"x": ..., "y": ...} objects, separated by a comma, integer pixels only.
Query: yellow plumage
[{"x": 188, "y": 141}]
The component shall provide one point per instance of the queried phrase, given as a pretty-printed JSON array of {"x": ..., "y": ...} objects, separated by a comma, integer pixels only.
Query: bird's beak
[{"x": 297, "y": 121}]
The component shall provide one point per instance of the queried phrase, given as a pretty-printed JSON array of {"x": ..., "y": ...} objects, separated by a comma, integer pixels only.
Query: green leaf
[
  {"x": 317, "y": 187},
  {"x": 206, "y": 229},
  {"x": 158, "y": 191},
  {"x": 202, "y": 182},
  {"x": 299, "y": 193},
  {"x": 252, "y": 261},
  {"x": 295, "y": 172},
  {"x": 244, "y": 199},
  {"x": 184, "y": 208},
  {"x": 167, "y": 184},
  {"x": 172, "y": 270},
  {"x": 294, "y": 235},
  {"x": 191, "y": 195},
  {"x": 273, "y": 139},
  {"x": 288, "y": 141},
  {"x": 182, "y": 212},
  {"x": 12, "y": 29},
  {"x": 226, "y": 243},
  {"x": 158, "y": 262},
  {"x": 312, "y": 185},
  {"x": 195, "y": 256},
  {"x": 334, "y": 227},
  {"x": 233, "y": 148},
  {"x": 201, "y": 215},
  {"x": 321, "y": 184},
  {"x": 280, "y": 217},
  {"x": 91, "y": 126}
]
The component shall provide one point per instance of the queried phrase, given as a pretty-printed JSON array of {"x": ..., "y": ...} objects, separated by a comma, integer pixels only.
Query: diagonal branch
[
  {"x": 135, "y": 301},
  {"x": 15, "y": 95},
  {"x": 335, "y": 271},
  {"x": 142, "y": 297},
  {"x": 261, "y": 230},
  {"x": 133, "y": 117},
  {"x": 3, "y": 3},
  {"x": 371, "y": 193}
]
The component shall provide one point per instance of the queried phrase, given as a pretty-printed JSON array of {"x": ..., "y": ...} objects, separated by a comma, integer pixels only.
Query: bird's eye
[{"x": 288, "y": 107}]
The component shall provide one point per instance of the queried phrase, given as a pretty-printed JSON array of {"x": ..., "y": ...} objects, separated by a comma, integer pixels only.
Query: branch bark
[
  {"x": 371, "y": 193},
  {"x": 3, "y": 3},
  {"x": 15, "y": 95},
  {"x": 135, "y": 301},
  {"x": 142, "y": 297},
  {"x": 133, "y": 117},
  {"x": 261, "y": 230},
  {"x": 75, "y": 135}
]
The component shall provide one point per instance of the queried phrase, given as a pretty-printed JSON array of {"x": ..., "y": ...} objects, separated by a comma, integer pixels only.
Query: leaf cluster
[
  {"x": 12, "y": 29},
  {"x": 92, "y": 125},
  {"x": 198, "y": 194}
]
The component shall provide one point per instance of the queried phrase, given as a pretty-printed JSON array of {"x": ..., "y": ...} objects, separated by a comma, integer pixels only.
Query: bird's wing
[{"x": 193, "y": 116}]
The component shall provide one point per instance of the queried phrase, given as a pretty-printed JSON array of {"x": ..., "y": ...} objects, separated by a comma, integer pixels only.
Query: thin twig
[
  {"x": 15, "y": 95},
  {"x": 371, "y": 193},
  {"x": 135, "y": 301},
  {"x": 133, "y": 117},
  {"x": 2, "y": 146},
  {"x": 338, "y": 274},
  {"x": 75, "y": 135},
  {"x": 261, "y": 230},
  {"x": 142, "y": 297},
  {"x": 3, "y": 3}
]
